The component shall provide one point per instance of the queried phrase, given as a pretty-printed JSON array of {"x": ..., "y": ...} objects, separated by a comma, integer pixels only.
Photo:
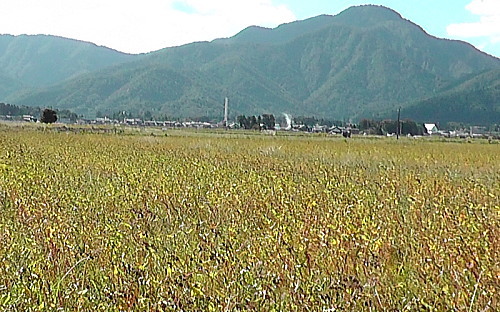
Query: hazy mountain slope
[
  {"x": 8, "y": 85},
  {"x": 41, "y": 60},
  {"x": 476, "y": 100},
  {"x": 279, "y": 35},
  {"x": 363, "y": 62}
]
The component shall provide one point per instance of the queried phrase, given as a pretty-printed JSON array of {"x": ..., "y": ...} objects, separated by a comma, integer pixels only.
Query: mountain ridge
[
  {"x": 41, "y": 60},
  {"x": 328, "y": 68}
]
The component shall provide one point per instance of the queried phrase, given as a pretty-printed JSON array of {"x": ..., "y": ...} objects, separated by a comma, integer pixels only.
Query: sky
[{"x": 142, "y": 26}]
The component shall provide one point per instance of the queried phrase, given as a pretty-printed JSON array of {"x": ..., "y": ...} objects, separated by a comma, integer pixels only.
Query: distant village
[{"x": 346, "y": 130}]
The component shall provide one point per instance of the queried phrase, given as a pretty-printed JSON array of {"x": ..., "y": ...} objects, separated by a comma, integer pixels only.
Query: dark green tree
[
  {"x": 244, "y": 122},
  {"x": 269, "y": 121},
  {"x": 410, "y": 127},
  {"x": 49, "y": 116},
  {"x": 253, "y": 124},
  {"x": 366, "y": 124}
]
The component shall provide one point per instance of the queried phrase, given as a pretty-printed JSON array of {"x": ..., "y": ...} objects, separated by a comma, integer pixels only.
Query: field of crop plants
[{"x": 245, "y": 222}]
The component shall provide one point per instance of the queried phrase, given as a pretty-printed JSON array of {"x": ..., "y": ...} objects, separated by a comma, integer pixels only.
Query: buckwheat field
[{"x": 245, "y": 222}]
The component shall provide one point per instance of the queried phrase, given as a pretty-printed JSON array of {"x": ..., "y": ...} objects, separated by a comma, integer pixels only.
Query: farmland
[{"x": 228, "y": 222}]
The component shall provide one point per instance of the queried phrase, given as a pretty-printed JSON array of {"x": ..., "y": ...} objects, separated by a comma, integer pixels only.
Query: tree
[
  {"x": 253, "y": 124},
  {"x": 244, "y": 122},
  {"x": 49, "y": 116},
  {"x": 366, "y": 124},
  {"x": 410, "y": 127},
  {"x": 269, "y": 121},
  {"x": 73, "y": 117}
]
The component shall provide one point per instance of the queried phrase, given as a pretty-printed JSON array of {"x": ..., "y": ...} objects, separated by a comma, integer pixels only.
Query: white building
[{"x": 431, "y": 128}]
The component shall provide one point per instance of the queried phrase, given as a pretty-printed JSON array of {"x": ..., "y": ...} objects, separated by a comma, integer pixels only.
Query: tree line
[
  {"x": 46, "y": 115},
  {"x": 383, "y": 127},
  {"x": 263, "y": 122}
]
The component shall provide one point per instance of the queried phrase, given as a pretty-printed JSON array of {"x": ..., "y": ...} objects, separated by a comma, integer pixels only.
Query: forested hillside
[{"x": 476, "y": 101}]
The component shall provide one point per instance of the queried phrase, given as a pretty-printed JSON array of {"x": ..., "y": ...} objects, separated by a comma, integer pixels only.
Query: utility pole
[{"x": 398, "y": 130}]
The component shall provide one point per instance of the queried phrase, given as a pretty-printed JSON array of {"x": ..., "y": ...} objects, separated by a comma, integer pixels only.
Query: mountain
[
  {"x": 9, "y": 85},
  {"x": 40, "y": 60},
  {"x": 475, "y": 101},
  {"x": 362, "y": 63},
  {"x": 279, "y": 35}
]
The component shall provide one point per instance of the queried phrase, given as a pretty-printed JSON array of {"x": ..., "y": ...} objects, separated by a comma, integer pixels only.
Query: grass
[{"x": 199, "y": 221}]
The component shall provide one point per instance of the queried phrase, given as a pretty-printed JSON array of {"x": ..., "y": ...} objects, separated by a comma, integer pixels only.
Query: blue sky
[{"x": 141, "y": 26}]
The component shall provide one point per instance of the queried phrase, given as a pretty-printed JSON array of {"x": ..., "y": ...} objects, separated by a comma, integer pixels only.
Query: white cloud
[
  {"x": 487, "y": 26},
  {"x": 133, "y": 26}
]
